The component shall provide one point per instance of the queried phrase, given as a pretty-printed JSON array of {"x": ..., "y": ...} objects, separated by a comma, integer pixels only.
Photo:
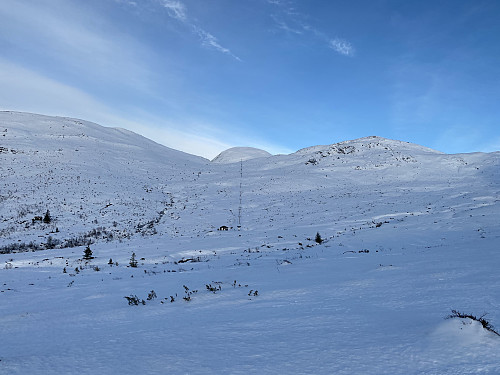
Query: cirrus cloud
[
  {"x": 178, "y": 11},
  {"x": 290, "y": 20},
  {"x": 342, "y": 46}
]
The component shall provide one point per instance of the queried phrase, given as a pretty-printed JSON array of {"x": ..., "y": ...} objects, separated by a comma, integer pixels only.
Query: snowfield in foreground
[{"x": 408, "y": 234}]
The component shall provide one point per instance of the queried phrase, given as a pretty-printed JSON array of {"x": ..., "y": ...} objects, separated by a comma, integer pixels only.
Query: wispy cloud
[
  {"x": 290, "y": 20},
  {"x": 63, "y": 37},
  {"x": 177, "y": 10},
  {"x": 342, "y": 46},
  {"x": 286, "y": 6},
  {"x": 210, "y": 41},
  {"x": 25, "y": 90},
  {"x": 284, "y": 26},
  {"x": 127, "y": 2}
]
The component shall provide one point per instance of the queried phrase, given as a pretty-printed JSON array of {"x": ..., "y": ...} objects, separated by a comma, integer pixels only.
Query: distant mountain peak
[
  {"x": 236, "y": 154},
  {"x": 368, "y": 143}
]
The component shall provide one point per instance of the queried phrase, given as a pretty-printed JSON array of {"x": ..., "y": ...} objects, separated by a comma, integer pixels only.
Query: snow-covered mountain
[
  {"x": 372, "y": 144},
  {"x": 237, "y": 154},
  {"x": 406, "y": 234}
]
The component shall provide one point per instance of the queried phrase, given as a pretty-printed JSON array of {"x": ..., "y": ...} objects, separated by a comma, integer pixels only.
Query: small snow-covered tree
[
  {"x": 47, "y": 218},
  {"x": 318, "y": 238},
  {"x": 133, "y": 261},
  {"x": 87, "y": 253}
]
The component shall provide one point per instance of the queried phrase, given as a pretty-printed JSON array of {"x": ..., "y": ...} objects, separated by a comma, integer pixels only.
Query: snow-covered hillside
[
  {"x": 407, "y": 235},
  {"x": 89, "y": 177},
  {"x": 237, "y": 154}
]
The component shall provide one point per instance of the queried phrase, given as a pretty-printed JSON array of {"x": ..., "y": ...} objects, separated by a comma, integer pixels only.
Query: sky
[{"x": 201, "y": 76}]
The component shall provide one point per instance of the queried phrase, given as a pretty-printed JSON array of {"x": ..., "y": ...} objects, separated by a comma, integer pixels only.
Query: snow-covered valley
[{"x": 407, "y": 235}]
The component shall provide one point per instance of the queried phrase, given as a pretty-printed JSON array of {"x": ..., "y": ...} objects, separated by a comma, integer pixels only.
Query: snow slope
[
  {"x": 409, "y": 234},
  {"x": 87, "y": 175},
  {"x": 237, "y": 154}
]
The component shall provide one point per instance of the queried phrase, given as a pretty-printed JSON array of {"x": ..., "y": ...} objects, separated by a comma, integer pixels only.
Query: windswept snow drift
[{"x": 409, "y": 234}]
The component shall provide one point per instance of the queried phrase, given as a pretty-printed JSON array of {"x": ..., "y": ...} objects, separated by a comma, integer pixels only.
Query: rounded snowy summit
[{"x": 236, "y": 154}]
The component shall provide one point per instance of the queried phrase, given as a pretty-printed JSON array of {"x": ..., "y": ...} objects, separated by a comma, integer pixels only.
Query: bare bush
[{"x": 486, "y": 325}]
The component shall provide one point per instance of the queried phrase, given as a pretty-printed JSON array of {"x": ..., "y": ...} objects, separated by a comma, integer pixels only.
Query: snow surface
[
  {"x": 409, "y": 234},
  {"x": 237, "y": 154}
]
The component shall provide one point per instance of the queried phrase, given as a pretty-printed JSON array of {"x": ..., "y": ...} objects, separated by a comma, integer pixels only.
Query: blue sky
[{"x": 205, "y": 75}]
